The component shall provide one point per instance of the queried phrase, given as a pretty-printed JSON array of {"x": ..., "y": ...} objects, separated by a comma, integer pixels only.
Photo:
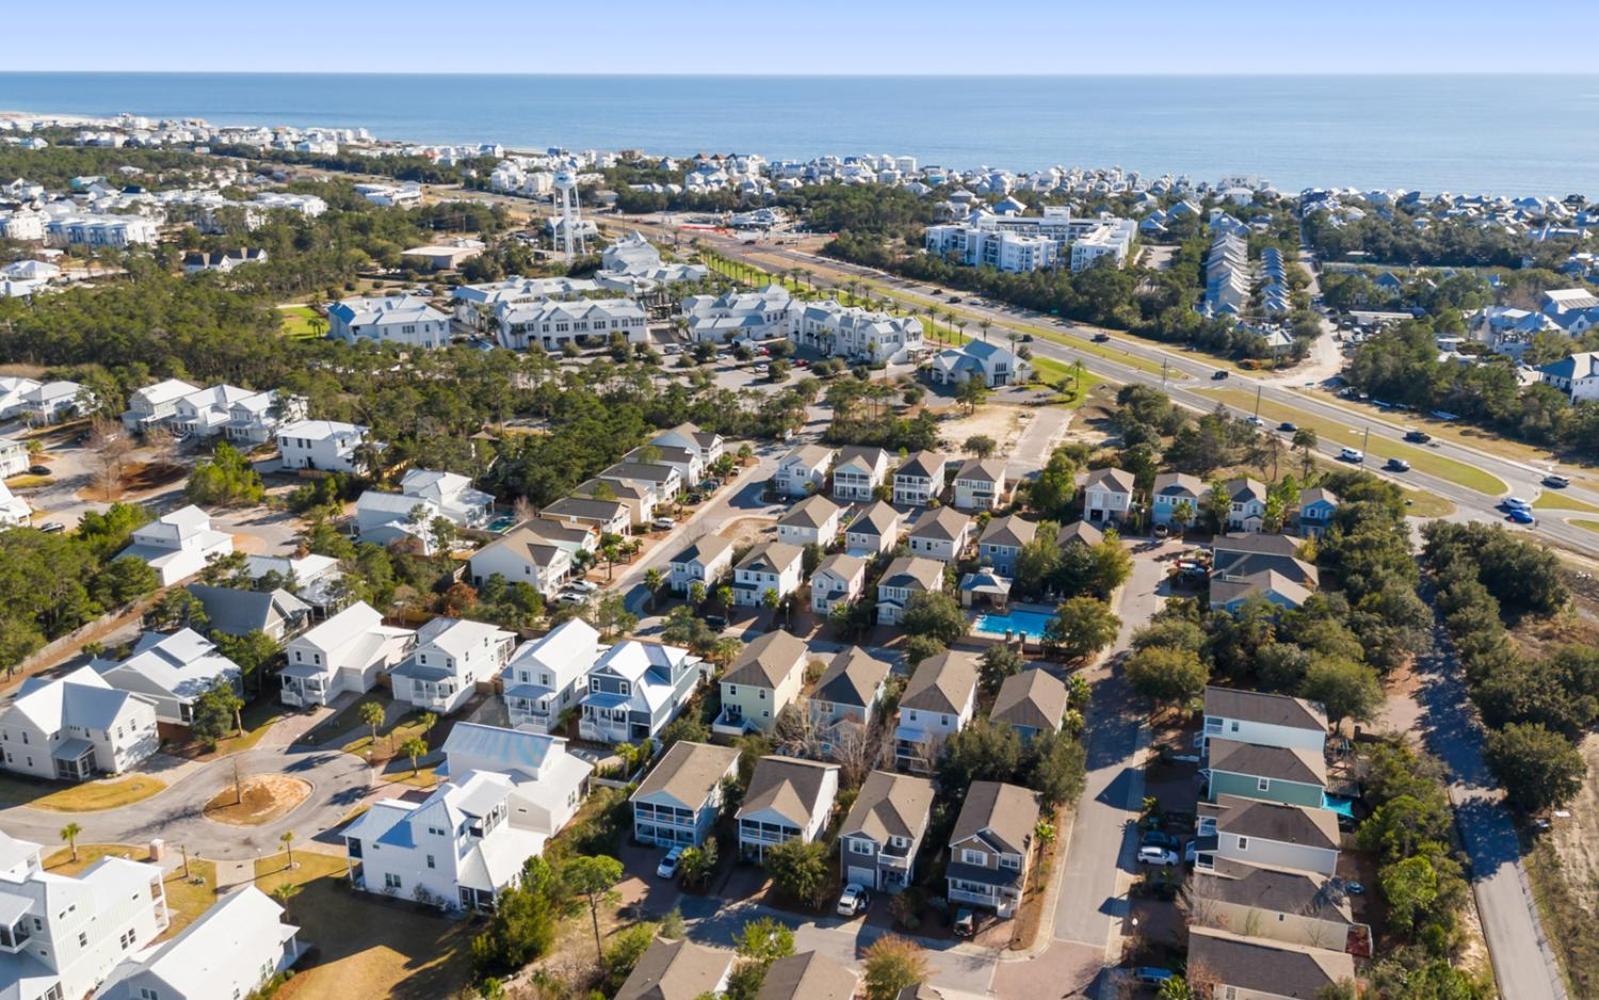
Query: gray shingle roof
[{"x": 1000, "y": 814}]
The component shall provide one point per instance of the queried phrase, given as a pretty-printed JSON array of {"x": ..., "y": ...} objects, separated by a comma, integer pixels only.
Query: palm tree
[
  {"x": 652, "y": 581},
  {"x": 284, "y": 892},
  {"x": 69, "y": 833},
  {"x": 427, "y": 720},
  {"x": 287, "y": 840},
  {"x": 371, "y": 713},
  {"x": 985, "y": 324},
  {"x": 415, "y": 748}
]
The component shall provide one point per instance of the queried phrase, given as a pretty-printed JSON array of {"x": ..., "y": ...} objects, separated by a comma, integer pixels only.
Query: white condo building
[{"x": 407, "y": 320}]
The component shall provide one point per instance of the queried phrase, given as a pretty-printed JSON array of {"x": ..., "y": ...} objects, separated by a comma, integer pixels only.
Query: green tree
[
  {"x": 69, "y": 833},
  {"x": 1051, "y": 494},
  {"x": 983, "y": 750},
  {"x": 997, "y": 663},
  {"x": 627, "y": 947},
  {"x": 800, "y": 870},
  {"x": 371, "y": 715},
  {"x": 1345, "y": 688},
  {"x": 253, "y": 652},
  {"x": 764, "y": 940},
  {"x": 415, "y": 748},
  {"x": 972, "y": 393},
  {"x": 1539, "y": 769},
  {"x": 1081, "y": 626},
  {"x": 594, "y": 878},
  {"x": 214, "y": 712},
  {"x": 1167, "y": 675},
  {"x": 523, "y": 925},
  {"x": 981, "y": 445},
  {"x": 935, "y": 615}
]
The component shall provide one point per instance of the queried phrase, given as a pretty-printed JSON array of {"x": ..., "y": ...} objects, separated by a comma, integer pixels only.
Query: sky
[{"x": 817, "y": 37}]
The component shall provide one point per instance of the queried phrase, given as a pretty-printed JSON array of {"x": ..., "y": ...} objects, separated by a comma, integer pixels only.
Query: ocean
[{"x": 1482, "y": 134}]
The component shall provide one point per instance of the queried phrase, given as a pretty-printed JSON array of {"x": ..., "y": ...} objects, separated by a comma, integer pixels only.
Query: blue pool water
[
  {"x": 1343, "y": 805},
  {"x": 502, "y": 523},
  {"x": 1017, "y": 622}
]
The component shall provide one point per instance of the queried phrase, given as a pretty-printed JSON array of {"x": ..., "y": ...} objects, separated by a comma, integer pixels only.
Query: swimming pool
[
  {"x": 1015, "y": 621},
  {"x": 1343, "y": 805},
  {"x": 501, "y": 523}
]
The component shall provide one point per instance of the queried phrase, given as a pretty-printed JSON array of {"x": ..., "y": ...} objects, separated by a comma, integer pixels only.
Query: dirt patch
[
  {"x": 747, "y": 530},
  {"x": 1538, "y": 637},
  {"x": 1002, "y": 423},
  {"x": 265, "y": 798},
  {"x": 149, "y": 475}
]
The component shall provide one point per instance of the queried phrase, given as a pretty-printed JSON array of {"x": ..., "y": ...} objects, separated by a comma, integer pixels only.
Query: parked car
[
  {"x": 662, "y": 524},
  {"x": 570, "y": 597},
  {"x": 1191, "y": 852},
  {"x": 1157, "y": 838},
  {"x": 583, "y": 586},
  {"x": 1152, "y": 975},
  {"x": 1397, "y": 465},
  {"x": 1220, "y": 374},
  {"x": 854, "y": 900},
  {"x": 1027, "y": 338},
  {"x": 672, "y": 349},
  {"x": 38, "y": 470},
  {"x": 717, "y": 622},
  {"x": 668, "y": 866},
  {"x": 1519, "y": 516},
  {"x": 1159, "y": 857},
  {"x": 52, "y": 527},
  {"x": 1352, "y": 455},
  {"x": 1553, "y": 481},
  {"x": 965, "y": 923},
  {"x": 1418, "y": 437}
]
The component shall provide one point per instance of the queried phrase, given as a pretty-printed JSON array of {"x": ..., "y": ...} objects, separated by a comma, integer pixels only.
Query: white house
[
  {"x": 232, "y": 949},
  {"x": 812, "y": 521},
  {"x": 457, "y": 849},
  {"x": 1246, "y": 504},
  {"x": 552, "y": 324},
  {"x": 901, "y": 581},
  {"x": 547, "y": 781},
  {"x": 942, "y": 533},
  {"x": 172, "y": 671},
  {"x": 1107, "y": 496},
  {"x": 938, "y": 702},
  {"x": 344, "y": 653},
  {"x": 839, "y": 579},
  {"x": 528, "y": 554},
  {"x": 874, "y": 531},
  {"x": 13, "y": 393},
  {"x": 803, "y": 471},
  {"x": 981, "y": 484},
  {"x": 155, "y": 404},
  {"x": 256, "y": 418},
  {"x": 635, "y": 689},
  {"x": 1271, "y": 720},
  {"x": 708, "y": 445},
  {"x": 53, "y": 401},
  {"x": 787, "y": 799},
  {"x": 546, "y": 677},
  {"x": 451, "y": 493},
  {"x": 179, "y": 544},
  {"x": 64, "y": 935},
  {"x": 321, "y": 444},
  {"x": 736, "y": 315},
  {"x": 76, "y": 726},
  {"x": 706, "y": 561},
  {"x": 1576, "y": 375},
  {"x": 680, "y": 800},
  {"x": 880, "y": 837},
  {"x": 920, "y": 478},
  {"x": 772, "y": 566},
  {"x": 14, "y": 511},
  {"x": 858, "y": 472},
  {"x": 855, "y": 333},
  {"x": 407, "y": 320},
  {"x": 452, "y": 657},
  {"x": 205, "y": 413},
  {"x": 993, "y": 364},
  {"x": 14, "y": 458},
  {"x": 425, "y": 495}
]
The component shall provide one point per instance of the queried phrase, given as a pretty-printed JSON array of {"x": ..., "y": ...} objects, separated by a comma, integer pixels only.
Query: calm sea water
[{"x": 1499, "y": 134}]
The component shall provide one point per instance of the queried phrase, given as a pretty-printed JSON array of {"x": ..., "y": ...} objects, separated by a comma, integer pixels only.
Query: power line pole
[{"x": 1257, "y": 401}]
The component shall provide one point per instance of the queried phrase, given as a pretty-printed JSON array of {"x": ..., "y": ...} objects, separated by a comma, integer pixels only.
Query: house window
[
  {"x": 1243, "y": 843},
  {"x": 1262, "y": 784},
  {"x": 970, "y": 857},
  {"x": 1010, "y": 861},
  {"x": 860, "y": 846},
  {"x": 430, "y": 862},
  {"x": 391, "y": 880},
  {"x": 1233, "y": 726}
]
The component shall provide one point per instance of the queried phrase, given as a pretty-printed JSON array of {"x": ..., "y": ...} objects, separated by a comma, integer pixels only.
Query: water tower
[{"x": 571, "y": 241}]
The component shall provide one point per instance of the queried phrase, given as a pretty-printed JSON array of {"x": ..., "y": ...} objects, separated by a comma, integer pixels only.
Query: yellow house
[{"x": 766, "y": 678}]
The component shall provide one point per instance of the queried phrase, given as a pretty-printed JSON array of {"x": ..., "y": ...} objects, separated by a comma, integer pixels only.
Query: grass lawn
[
  {"x": 1423, "y": 504},
  {"x": 401, "y": 775},
  {"x": 1337, "y": 432},
  {"x": 1556, "y": 500},
  {"x": 186, "y": 898},
  {"x": 1585, "y": 525},
  {"x": 259, "y": 716},
  {"x": 390, "y": 738},
  {"x": 1053, "y": 372},
  {"x": 28, "y": 482},
  {"x": 297, "y": 321},
  {"x": 108, "y": 793},
  {"x": 366, "y": 946}
]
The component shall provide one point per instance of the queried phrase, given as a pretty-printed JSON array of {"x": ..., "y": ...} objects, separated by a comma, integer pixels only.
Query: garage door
[{"x": 863, "y": 876}]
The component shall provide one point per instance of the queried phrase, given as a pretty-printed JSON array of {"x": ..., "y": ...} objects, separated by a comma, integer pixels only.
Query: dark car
[
  {"x": 1220, "y": 374},
  {"x": 1418, "y": 437},
  {"x": 954, "y": 300},
  {"x": 1288, "y": 427},
  {"x": 1100, "y": 338},
  {"x": 717, "y": 622},
  {"x": 1027, "y": 338},
  {"x": 1157, "y": 838},
  {"x": 1556, "y": 482},
  {"x": 38, "y": 470}
]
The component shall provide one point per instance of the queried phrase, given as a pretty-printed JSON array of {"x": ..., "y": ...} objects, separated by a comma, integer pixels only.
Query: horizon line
[{"x": 1235, "y": 74}]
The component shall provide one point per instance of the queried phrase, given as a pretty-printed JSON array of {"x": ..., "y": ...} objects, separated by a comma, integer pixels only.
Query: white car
[
  {"x": 668, "y": 866},
  {"x": 1158, "y": 856},
  {"x": 663, "y": 524},
  {"x": 583, "y": 586},
  {"x": 854, "y": 900},
  {"x": 1352, "y": 455},
  {"x": 1516, "y": 503}
]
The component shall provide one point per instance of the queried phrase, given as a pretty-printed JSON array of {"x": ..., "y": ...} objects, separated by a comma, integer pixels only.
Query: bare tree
[
  {"x": 855, "y": 749},
  {"x": 522, "y": 509},
  {"x": 793, "y": 734},
  {"x": 162, "y": 444},
  {"x": 111, "y": 448}
]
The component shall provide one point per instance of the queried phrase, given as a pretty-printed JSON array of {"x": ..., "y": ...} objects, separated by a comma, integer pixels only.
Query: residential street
[{"x": 1524, "y": 967}]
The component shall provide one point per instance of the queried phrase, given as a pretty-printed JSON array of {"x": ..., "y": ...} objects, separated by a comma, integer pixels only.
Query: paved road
[
  {"x": 1524, "y": 966},
  {"x": 1068, "y": 342},
  {"x": 339, "y": 782}
]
